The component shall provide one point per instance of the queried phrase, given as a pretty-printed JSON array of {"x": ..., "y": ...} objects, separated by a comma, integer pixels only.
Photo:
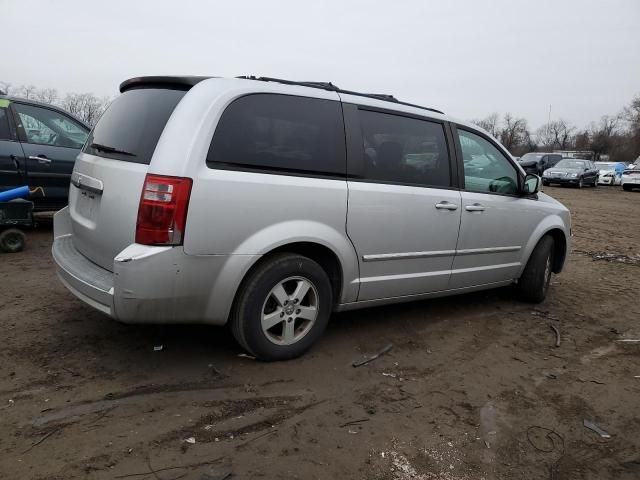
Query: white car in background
[
  {"x": 631, "y": 177},
  {"x": 610, "y": 173}
]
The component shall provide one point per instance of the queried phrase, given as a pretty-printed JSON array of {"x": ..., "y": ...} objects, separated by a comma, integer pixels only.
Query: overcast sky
[{"x": 466, "y": 57}]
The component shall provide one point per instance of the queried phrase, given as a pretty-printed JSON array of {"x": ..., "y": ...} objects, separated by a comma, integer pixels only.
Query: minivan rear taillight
[{"x": 162, "y": 213}]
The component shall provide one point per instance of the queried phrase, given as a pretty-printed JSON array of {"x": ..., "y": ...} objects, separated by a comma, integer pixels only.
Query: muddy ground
[{"x": 474, "y": 387}]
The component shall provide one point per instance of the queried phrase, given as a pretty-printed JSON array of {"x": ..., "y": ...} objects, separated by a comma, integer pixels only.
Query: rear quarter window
[
  {"x": 130, "y": 128},
  {"x": 280, "y": 134}
]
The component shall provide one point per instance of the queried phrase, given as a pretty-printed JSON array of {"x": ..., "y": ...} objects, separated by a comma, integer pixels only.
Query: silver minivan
[{"x": 267, "y": 204}]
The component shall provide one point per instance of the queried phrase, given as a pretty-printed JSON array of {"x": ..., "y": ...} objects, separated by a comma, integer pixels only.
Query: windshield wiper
[{"x": 108, "y": 149}]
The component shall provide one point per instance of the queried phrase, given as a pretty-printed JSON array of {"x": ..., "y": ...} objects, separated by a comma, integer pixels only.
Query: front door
[
  {"x": 403, "y": 215},
  {"x": 496, "y": 221},
  {"x": 51, "y": 142}
]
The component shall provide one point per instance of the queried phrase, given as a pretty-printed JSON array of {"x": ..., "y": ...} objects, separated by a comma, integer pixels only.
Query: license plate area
[{"x": 87, "y": 204}]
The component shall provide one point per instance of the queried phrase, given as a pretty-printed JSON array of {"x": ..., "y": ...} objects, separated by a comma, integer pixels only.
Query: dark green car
[{"x": 38, "y": 147}]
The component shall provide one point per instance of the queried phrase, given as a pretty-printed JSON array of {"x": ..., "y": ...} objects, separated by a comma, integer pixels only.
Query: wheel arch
[{"x": 560, "y": 241}]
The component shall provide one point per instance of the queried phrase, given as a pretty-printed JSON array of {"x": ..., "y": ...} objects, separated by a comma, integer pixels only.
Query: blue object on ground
[{"x": 20, "y": 192}]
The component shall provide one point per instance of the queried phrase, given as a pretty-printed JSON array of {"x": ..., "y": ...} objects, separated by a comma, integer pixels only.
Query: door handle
[
  {"x": 446, "y": 206},
  {"x": 476, "y": 207},
  {"x": 40, "y": 158}
]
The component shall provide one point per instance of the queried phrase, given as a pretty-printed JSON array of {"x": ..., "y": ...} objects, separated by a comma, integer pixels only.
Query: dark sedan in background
[
  {"x": 38, "y": 147},
  {"x": 572, "y": 171},
  {"x": 537, "y": 162}
]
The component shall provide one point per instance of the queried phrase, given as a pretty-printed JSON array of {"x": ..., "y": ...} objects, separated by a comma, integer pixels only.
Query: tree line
[
  {"x": 615, "y": 135},
  {"x": 85, "y": 106}
]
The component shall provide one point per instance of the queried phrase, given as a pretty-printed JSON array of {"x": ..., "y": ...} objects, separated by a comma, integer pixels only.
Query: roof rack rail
[{"x": 334, "y": 88}]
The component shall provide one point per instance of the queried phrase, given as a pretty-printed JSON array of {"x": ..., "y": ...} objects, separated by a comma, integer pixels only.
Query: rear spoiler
[{"x": 174, "y": 83}]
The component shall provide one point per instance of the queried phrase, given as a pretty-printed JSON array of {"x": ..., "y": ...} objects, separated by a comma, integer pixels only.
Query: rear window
[
  {"x": 280, "y": 133},
  {"x": 130, "y": 128}
]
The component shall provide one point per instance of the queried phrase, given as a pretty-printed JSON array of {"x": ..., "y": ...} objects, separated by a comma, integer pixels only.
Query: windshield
[
  {"x": 531, "y": 156},
  {"x": 605, "y": 166},
  {"x": 566, "y": 163}
]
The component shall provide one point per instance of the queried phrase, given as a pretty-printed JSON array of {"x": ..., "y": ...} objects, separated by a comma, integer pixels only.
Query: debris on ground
[
  {"x": 190, "y": 440},
  {"x": 611, "y": 257},
  {"x": 386, "y": 349},
  {"x": 555, "y": 329},
  {"x": 592, "y": 426},
  {"x": 158, "y": 348},
  {"x": 244, "y": 355}
]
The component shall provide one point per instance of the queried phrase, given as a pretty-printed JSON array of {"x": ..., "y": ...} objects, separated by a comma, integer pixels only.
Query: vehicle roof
[
  {"x": 45, "y": 105},
  {"x": 309, "y": 89}
]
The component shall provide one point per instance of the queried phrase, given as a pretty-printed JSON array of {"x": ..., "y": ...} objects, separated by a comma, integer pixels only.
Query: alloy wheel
[{"x": 289, "y": 311}]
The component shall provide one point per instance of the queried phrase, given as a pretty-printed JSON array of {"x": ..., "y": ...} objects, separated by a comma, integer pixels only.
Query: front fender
[{"x": 548, "y": 224}]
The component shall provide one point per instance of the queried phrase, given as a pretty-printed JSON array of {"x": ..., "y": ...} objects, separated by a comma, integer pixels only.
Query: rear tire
[
  {"x": 534, "y": 282},
  {"x": 595, "y": 182},
  {"x": 273, "y": 321},
  {"x": 12, "y": 240}
]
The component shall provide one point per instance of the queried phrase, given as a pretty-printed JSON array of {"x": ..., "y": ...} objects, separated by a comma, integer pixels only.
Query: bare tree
[
  {"x": 26, "y": 91},
  {"x": 5, "y": 87},
  {"x": 514, "y": 132},
  {"x": 85, "y": 106},
  {"x": 490, "y": 123},
  {"x": 47, "y": 95},
  {"x": 556, "y": 134},
  {"x": 604, "y": 133}
]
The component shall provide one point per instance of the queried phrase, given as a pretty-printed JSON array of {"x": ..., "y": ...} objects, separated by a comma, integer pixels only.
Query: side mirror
[{"x": 531, "y": 184}]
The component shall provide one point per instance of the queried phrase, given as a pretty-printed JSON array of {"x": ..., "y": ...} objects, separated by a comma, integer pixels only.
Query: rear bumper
[
  {"x": 150, "y": 284},
  {"x": 87, "y": 281},
  {"x": 606, "y": 180}
]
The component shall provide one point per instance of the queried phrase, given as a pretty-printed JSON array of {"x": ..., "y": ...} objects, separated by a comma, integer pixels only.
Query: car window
[
  {"x": 48, "y": 127},
  {"x": 5, "y": 133},
  {"x": 486, "y": 169},
  {"x": 404, "y": 150},
  {"x": 280, "y": 133},
  {"x": 130, "y": 128}
]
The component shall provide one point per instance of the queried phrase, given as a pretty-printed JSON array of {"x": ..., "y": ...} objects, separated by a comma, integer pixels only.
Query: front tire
[
  {"x": 282, "y": 307},
  {"x": 581, "y": 183},
  {"x": 534, "y": 282},
  {"x": 626, "y": 187}
]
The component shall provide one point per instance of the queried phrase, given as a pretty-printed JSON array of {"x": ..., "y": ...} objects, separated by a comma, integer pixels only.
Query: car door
[
  {"x": 403, "y": 213},
  {"x": 11, "y": 155},
  {"x": 496, "y": 221},
  {"x": 51, "y": 141}
]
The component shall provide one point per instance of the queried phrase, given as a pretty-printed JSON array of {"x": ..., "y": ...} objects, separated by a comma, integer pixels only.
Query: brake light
[{"x": 162, "y": 213}]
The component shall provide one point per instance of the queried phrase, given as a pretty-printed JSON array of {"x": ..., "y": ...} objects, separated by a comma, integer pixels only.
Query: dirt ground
[{"x": 474, "y": 387}]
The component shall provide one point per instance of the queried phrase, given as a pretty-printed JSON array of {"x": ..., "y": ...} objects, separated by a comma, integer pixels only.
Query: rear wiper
[{"x": 108, "y": 149}]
